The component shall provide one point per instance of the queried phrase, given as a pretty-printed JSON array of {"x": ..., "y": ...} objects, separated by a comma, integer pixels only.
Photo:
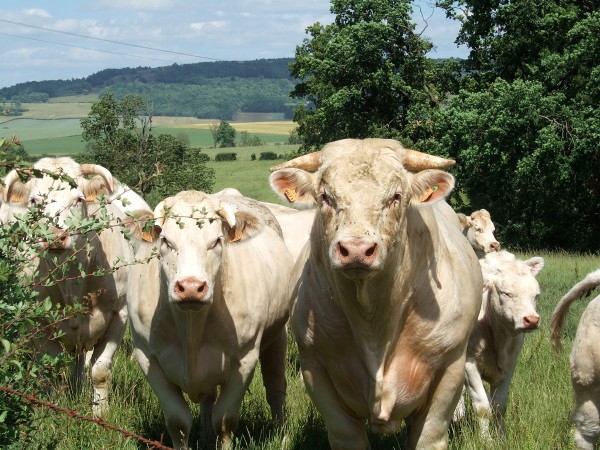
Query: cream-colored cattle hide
[
  {"x": 209, "y": 307},
  {"x": 385, "y": 295},
  {"x": 100, "y": 331},
  {"x": 585, "y": 359},
  {"x": 479, "y": 230},
  {"x": 508, "y": 311}
]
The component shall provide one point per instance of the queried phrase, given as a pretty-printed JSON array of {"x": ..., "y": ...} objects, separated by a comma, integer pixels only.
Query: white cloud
[
  {"x": 137, "y": 5},
  {"x": 36, "y": 12}
]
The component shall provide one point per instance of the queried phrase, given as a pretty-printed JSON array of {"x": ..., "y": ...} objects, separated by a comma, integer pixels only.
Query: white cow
[
  {"x": 585, "y": 360},
  {"x": 212, "y": 305},
  {"x": 386, "y": 293},
  {"x": 101, "y": 329},
  {"x": 508, "y": 311},
  {"x": 479, "y": 230}
]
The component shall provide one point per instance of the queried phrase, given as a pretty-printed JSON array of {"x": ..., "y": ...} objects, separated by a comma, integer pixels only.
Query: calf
[
  {"x": 479, "y": 230},
  {"x": 209, "y": 307},
  {"x": 585, "y": 360},
  {"x": 508, "y": 311}
]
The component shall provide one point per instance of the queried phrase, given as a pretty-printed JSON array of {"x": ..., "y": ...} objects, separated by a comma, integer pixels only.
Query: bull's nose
[
  {"x": 531, "y": 322},
  {"x": 190, "y": 289},
  {"x": 495, "y": 246},
  {"x": 356, "y": 252}
]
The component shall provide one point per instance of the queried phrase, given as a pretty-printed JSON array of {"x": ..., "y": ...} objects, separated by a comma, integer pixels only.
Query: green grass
[{"x": 539, "y": 406}]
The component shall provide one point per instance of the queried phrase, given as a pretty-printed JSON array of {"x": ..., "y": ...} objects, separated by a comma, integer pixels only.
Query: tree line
[{"x": 520, "y": 115}]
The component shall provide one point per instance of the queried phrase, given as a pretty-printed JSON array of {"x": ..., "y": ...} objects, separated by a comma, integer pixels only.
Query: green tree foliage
[
  {"x": 364, "y": 75},
  {"x": 120, "y": 138},
  {"x": 526, "y": 125},
  {"x": 225, "y": 135}
]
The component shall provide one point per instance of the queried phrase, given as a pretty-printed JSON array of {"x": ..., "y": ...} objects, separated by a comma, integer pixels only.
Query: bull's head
[
  {"x": 363, "y": 189},
  {"x": 192, "y": 229},
  {"x": 58, "y": 187}
]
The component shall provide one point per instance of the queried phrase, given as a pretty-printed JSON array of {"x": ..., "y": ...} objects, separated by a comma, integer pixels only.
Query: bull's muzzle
[
  {"x": 190, "y": 293},
  {"x": 356, "y": 255},
  {"x": 61, "y": 240}
]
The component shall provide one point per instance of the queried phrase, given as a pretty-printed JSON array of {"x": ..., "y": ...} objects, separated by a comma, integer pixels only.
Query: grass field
[{"x": 537, "y": 418}]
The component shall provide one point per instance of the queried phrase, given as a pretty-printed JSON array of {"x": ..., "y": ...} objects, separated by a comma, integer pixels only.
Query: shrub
[
  {"x": 268, "y": 156},
  {"x": 229, "y": 156}
]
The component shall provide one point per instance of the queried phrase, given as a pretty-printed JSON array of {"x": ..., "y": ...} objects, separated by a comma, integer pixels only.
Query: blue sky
[{"x": 49, "y": 40}]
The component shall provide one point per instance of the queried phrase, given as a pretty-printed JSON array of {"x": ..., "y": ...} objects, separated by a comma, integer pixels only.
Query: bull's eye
[
  {"x": 32, "y": 201},
  {"x": 165, "y": 243},
  {"x": 217, "y": 243},
  {"x": 325, "y": 198},
  {"x": 395, "y": 200}
]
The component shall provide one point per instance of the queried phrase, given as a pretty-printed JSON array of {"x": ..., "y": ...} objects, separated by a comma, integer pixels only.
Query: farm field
[{"x": 538, "y": 413}]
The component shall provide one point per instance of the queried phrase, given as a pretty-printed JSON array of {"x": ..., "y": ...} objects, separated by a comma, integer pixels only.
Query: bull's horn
[
  {"x": 96, "y": 169},
  {"x": 416, "y": 161},
  {"x": 309, "y": 162}
]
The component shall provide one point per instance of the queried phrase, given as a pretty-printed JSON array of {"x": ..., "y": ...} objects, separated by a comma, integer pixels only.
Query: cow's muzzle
[
  {"x": 356, "y": 257},
  {"x": 191, "y": 293}
]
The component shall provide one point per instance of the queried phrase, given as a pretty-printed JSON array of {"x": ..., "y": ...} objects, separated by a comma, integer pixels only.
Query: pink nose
[
  {"x": 495, "y": 246},
  {"x": 531, "y": 321},
  {"x": 356, "y": 253},
  {"x": 190, "y": 289},
  {"x": 62, "y": 239}
]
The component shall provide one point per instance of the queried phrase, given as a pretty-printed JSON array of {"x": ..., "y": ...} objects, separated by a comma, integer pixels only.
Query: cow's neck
[{"x": 504, "y": 342}]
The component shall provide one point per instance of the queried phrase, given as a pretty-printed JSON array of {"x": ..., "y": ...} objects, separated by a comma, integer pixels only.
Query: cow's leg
[
  {"x": 272, "y": 364},
  {"x": 208, "y": 404},
  {"x": 586, "y": 416},
  {"x": 479, "y": 397},
  {"x": 226, "y": 411},
  {"x": 429, "y": 430},
  {"x": 499, "y": 392},
  {"x": 344, "y": 431},
  {"x": 102, "y": 358},
  {"x": 178, "y": 416},
  {"x": 78, "y": 373}
]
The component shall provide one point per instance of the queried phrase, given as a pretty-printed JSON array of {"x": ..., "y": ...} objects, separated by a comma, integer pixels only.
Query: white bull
[
  {"x": 386, "y": 294},
  {"x": 479, "y": 230},
  {"x": 100, "y": 331},
  {"x": 212, "y": 305},
  {"x": 508, "y": 311},
  {"x": 585, "y": 359}
]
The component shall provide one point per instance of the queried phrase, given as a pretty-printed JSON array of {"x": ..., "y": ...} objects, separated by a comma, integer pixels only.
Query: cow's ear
[
  {"x": 141, "y": 225},
  {"x": 429, "y": 186},
  {"x": 464, "y": 220},
  {"x": 94, "y": 188},
  {"x": 294, "y": 185},
  {"x": 536, "y": 264},
  {"x": 239, "y": 224}
]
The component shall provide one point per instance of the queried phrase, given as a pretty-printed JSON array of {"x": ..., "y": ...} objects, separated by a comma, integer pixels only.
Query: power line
[
  {"x": 107, "y": 40},
  {"x": 87, "y": 48}
]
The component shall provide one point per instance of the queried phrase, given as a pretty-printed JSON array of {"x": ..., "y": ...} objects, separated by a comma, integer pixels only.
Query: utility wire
[
  {"x": 107, "y": 40},
  {"x": 87, "y": 48}
]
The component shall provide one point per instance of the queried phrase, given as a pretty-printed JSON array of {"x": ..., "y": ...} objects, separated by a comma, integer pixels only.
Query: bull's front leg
[
  {"x": 102, "y": 360},
  {"x": 429, "y": 430},
  {"x": 344, "y": 431},
  {"x": 479, "y": 397},
  {"x": 499, "y": 393},
  {"x": 226, "y": 410},
  {"x": 272, "y": 365}
]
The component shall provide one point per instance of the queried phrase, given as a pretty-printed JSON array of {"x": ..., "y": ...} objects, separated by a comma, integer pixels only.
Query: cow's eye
[
  {"x": 165, "y": 242},
  {"x": 32, "y": 201},
  {"x": 325, "y": 198},
  {"x": 395, "y": 200},
  {"x": 216, "y": 243}
]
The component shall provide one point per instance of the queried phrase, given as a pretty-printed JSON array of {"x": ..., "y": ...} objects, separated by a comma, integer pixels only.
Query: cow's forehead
[
  {"x": 192, "y": 214},
  {"x": 361, "y": 167}
]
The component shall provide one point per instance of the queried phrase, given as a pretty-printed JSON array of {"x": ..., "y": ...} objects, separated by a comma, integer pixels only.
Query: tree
[
  {"x": 365, "y": 75},
  {"x": 119, "y": 135},
  {"x": 525, "y": 126},
  {"x": 225, "y": 135}
]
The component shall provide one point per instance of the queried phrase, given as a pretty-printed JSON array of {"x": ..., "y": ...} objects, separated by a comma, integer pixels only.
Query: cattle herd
[{"x": 398, "y": 305}]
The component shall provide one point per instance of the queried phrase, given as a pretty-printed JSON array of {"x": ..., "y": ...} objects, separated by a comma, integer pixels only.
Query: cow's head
[
  {"x": 59, "y": 189},
  {"x": 193, "y": 229},
  {"x": 479, "y": 230},
  {"x": 511, "y": 290},
  {"x": 363, "y": 189}
]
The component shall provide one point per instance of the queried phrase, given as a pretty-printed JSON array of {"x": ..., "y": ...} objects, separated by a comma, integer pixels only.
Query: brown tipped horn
[
  {"x": 309, "y": 162},
  {"x": 95, "y": 169},
  {"x": 416, "y": 161}
]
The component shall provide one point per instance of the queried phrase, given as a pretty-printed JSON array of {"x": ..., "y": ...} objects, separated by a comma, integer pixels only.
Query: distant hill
[{"x": 217, "y": 89}]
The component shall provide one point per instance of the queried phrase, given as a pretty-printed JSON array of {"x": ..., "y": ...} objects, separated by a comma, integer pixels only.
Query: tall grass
[{"x": 538, "y": 412}]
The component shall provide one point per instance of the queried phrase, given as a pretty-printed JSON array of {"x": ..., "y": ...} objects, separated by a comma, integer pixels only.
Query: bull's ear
[
  {"x": 463, "y": 220},
  {"x": 294, "y": 185},
  {"x": 536, "y": 264},
  {"x": 239, "y": 224},
  {"x": 94, "y": 188},
  {"x": 141, "y": 225},
  {"x": 429, "y": 186}
]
